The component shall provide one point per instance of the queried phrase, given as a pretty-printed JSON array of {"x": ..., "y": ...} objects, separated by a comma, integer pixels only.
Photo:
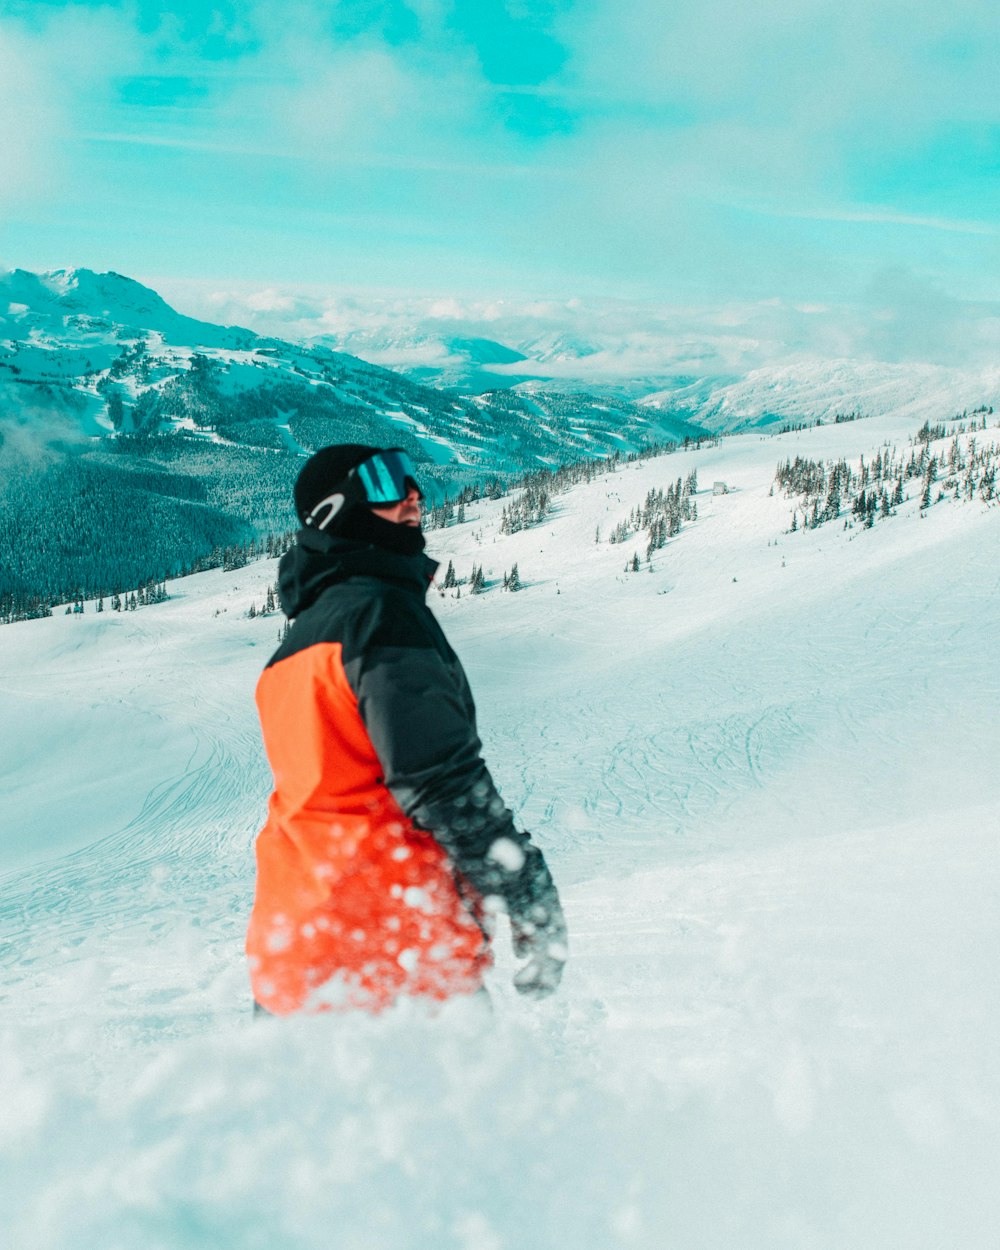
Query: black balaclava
[{"x": 321, "y": 474}]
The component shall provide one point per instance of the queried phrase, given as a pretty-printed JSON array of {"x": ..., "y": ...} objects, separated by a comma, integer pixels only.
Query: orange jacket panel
[{"x": 354, "y": 905}]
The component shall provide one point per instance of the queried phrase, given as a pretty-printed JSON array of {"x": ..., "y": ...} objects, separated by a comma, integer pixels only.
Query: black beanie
[
  {"x": 320, "y": 476},
  {"x": 325, "y": 470}
]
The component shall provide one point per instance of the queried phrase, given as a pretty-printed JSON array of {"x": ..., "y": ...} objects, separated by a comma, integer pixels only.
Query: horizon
[
  {"x": 600, "y": 339},
  {"x": 833, "y": 161}
]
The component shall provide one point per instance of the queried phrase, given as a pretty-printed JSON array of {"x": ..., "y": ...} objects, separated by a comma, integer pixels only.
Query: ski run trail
[{"x": 766, "y": 777}]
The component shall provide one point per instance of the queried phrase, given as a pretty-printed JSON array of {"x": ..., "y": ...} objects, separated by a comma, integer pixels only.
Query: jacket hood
[{"x": 320, "y": 560}]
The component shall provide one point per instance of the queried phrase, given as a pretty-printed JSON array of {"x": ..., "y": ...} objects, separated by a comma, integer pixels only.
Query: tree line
[
  {"x": 25, "y": 607},
  {"x": 873, "y": 490}
]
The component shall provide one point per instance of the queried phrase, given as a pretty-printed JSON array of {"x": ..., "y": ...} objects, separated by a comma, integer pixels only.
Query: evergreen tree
[
  {"x": 930, "y": 477},
  {"x": 832, "y": 509},
  {"x": 116, "y": 409}
]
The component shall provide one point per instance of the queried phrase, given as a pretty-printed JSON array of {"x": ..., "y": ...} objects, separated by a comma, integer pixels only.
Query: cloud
[
  {"x": 901, "y": 319},
  {"x": 29, "y": 120},
  {"x": 290, "y": 83},
  {"x": 51, "y": 74},
  {"x": 692, "y": 153},
  {"x": 804, "y": 104},
  {"x": 35, "y": 429},
  {"x": 830, "y": 59},
  {"x": 363, "y": 101},
  {"x": 908, "y": 318},
  {"x": 888, "y": 216}
]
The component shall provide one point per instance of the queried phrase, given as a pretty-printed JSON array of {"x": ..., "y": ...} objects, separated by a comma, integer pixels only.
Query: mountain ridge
[
  {"x": 73, "y": 327},
  {"x": 169, "y": 441}
]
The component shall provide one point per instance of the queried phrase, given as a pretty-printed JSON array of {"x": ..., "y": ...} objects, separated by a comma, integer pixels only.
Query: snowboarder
[{"x": 387, "y": 849}]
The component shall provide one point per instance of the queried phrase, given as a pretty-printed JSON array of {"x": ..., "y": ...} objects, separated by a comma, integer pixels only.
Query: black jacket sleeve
[{"x": 416, "y": 706}]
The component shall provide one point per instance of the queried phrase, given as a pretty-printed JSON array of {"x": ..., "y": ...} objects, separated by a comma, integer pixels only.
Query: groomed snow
[{"x": 765, "y": 776}]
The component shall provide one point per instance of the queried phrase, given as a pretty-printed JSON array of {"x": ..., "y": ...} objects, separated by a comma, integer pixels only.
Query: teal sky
[{"x": 701, "y": 151}]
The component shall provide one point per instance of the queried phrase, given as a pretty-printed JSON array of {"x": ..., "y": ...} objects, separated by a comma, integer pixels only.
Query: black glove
[{"x": 538, "y": 929}]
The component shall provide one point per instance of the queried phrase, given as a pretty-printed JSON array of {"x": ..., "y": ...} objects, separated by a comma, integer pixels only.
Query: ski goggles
[{"x": 387, "y": 477}]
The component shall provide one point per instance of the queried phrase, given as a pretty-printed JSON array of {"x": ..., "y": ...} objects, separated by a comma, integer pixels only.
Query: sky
[{"x": 705, "y": 153}]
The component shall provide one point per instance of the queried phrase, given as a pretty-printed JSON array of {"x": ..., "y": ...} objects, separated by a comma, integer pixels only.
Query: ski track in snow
[{"x": 765, "y": 777}]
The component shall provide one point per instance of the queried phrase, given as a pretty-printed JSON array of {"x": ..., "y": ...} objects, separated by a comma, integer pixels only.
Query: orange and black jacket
[{"x": 384, "y": 830}]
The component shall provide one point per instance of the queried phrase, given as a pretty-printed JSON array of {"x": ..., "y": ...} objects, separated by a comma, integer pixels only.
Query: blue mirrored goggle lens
[{"x": 384, "y": 477}]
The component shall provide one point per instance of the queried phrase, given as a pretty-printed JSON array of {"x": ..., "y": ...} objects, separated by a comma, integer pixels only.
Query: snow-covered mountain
[
  {"x": 763, "y": 768},
  {"x": 99, "y": 334},
  {"x": 49, "y": 306},
  {"x": 801, "y": 390},
  {"x": 166, "y": 437},
  {"x": 822, "y": 390},
  {"x": 728, "y": 368},
  {"x": 558, "y": 360},
  {"x": 466, "y": 363}
]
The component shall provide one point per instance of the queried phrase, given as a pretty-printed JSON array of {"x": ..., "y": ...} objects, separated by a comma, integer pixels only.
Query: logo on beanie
[{"x": 333, "y": 504}]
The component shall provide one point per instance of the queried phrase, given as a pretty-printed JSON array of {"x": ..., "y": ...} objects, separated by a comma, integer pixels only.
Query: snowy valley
[{"x": 762, "y": 763}]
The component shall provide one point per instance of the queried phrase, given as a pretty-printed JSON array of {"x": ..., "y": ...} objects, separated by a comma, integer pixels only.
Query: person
[{"x": 387, "y": 851}]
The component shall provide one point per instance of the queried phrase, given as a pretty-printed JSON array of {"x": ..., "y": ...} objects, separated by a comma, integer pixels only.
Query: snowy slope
[
  {"x": 819, "y": 390},
  {"x": 764, "y": 774}
]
